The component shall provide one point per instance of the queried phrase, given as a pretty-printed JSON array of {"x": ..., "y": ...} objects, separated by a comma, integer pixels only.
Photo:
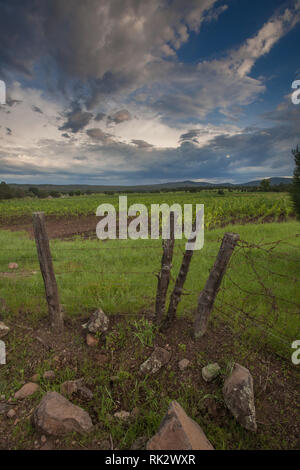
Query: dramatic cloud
[
  {"x": 99, "y": 135},
  {"x": 120, "y": 116},
  {"x": 76, "y": 120},
  {"x": 103, "y": 91}
]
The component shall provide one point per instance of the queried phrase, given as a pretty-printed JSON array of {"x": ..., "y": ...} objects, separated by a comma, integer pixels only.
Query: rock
[
  {"x": 35, "y": 378},
  {"x": 43, "y": 439},
  {"x": 97, "y": 322},
  {"x": 211, "y": 371},
  {"x": 72, "y": 387},
  {"x": 49, "y": 375},
  {"x": 239, "y": 397},
  {"x": 26, "y": 391},
  {"x": 158, "y": 358},
  {"x": 183, "y": 364},
  {"x": 122, "y": 414},
  {"x": 11, "y": 413},
  {"x": 4, "y": 330},
  {"x": 13, "y": 266},
  {"x": 91, "y": 340},
  {"x": 178, "y": 432},
  {"x": 56, "y": 416}
]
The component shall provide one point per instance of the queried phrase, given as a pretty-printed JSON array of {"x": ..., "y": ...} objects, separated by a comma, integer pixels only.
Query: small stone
[
  {"x": 11, "y": 413},
  {"x": 35, "y": 378},
  {"x": 239, "y": 397},
  {"x": 26, "y": 391},
  {"x": 2, "y": 397},
  {"x": 57, "y": 416},
  {"x": 178, "y": 432},
  {"x": 183, "y": 364},
  {"x": 72, "y": 387},
  {"x": 98, "y": 322},
  {"x": 49, "y": 375},
  {"x": 122, "y": 415},
  {"x": 91, "y": 340},
  {"x": 158, "y": 358},
  {"x": 13, "y": 266},
  {"x": 4, "y": 329},
  {"x": 210, "y": 372},
  {"x": 43, "y": 439}
]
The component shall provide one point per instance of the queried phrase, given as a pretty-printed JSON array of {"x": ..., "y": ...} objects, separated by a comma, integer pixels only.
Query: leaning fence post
[
  {"x": 180, "y": 280},
  {"x": 165, "y": 273},
  {"x": 46, "y": 265},
  {"x": 207, "y": 296}
]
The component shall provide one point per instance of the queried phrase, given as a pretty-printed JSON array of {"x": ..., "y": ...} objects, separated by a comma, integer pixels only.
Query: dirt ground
[{"x": 275, "y": 386}]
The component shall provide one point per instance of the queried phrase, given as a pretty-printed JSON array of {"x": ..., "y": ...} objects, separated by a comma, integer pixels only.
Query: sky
[{"x": 131, "y": 92}]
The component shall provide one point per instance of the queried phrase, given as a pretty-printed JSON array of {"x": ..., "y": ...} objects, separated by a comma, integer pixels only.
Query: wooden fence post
[
  {"x": 208, "y": 295},
  {"x": 46, "y": 265},
  {"x": 164, "y": 275},
  {"x": 180, "y": 280}
]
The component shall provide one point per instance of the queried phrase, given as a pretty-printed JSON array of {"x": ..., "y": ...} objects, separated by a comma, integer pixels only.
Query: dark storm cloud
[
  {"x": 190, "y": 135},
  {"x": 76, "y": 120},
  {"x": 99, "y": 116},
  {"x": 120, "y": 116},
  {"x": 107, "y": 45}
]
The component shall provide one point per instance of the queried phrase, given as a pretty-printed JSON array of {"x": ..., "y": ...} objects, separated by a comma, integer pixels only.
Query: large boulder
[
  {"x": 239, "y": 396},
  {"x": 98, "y": 322},
  {"x": 158, "y": 358},
  {"x": 56, "y": 416},
  {"x": 179, "y": 432}
]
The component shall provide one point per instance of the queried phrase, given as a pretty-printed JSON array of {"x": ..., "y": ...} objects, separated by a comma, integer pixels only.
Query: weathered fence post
[
  {"x": 180, "y": 280},
  {"x": 164, "y": 275},
  {"x": 208, "y": 295},
  {"x": 46, "y": 265}
]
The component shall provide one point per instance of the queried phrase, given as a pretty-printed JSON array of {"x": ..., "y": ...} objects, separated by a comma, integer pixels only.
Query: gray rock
[
  {"x": 239, "y": 397},
  {"x": 210, "y": 372},
  {"x": 97, "y": 322},
  {"x": 56, "y": 416},
  {"x": 158, "y": 358}
]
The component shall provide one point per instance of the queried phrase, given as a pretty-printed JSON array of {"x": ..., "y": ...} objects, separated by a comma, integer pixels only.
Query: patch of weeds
[{"x": 145, "y": 331}]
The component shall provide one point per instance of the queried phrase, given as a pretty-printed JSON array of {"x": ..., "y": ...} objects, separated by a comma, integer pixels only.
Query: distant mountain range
[{"x": 148, "y": 187}]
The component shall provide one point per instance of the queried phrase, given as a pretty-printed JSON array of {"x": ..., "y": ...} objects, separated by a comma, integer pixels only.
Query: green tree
[
  {"x": 295, "y": 190},
  {"x": 264, "y": 185}
]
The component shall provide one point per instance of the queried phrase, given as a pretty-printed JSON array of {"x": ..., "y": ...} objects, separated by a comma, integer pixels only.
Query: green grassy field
[
  {"x": 119, "y": 276},
  {"x": 219, "y": 209}
]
